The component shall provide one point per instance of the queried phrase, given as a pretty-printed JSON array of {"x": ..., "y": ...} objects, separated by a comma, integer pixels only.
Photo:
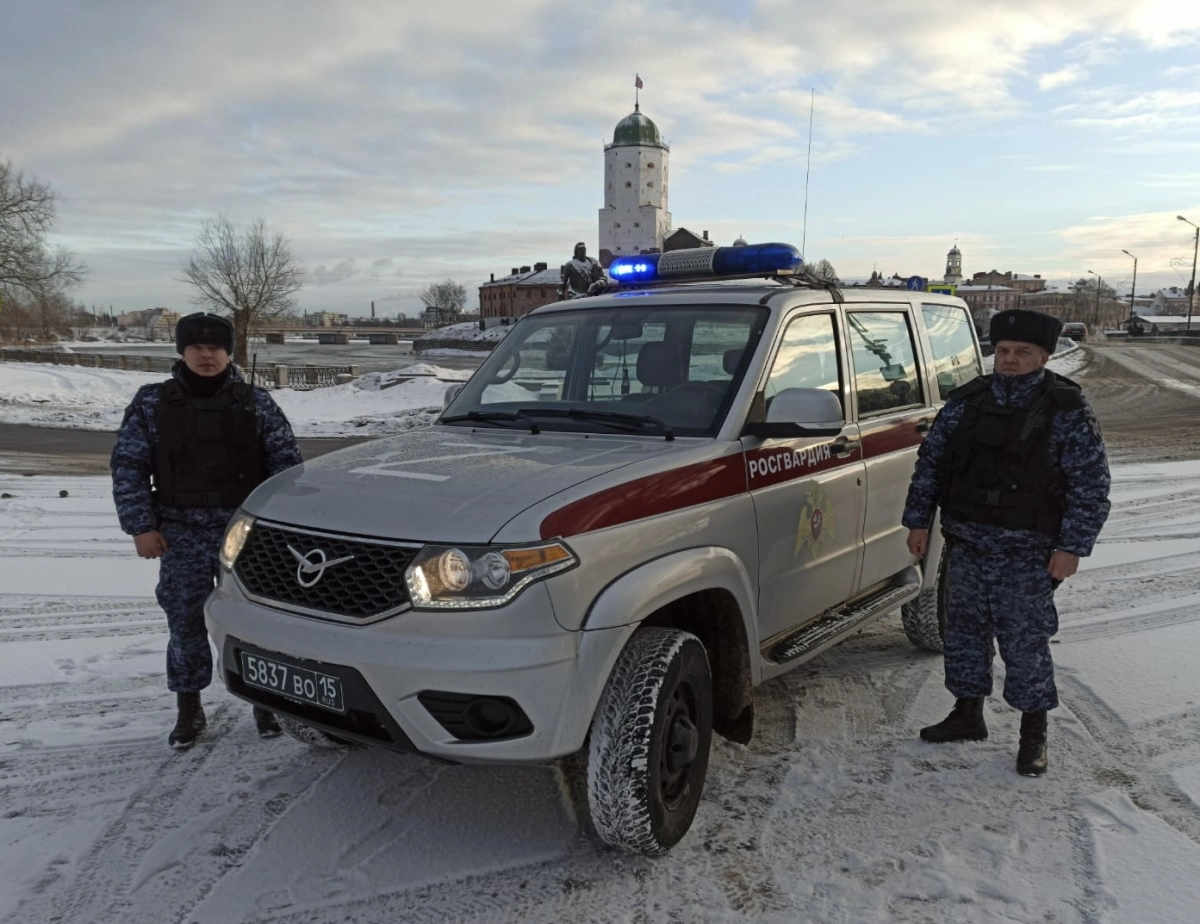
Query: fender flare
[
  {"x": 635, "y": 595},
  {"x": 649, "y": 587}
]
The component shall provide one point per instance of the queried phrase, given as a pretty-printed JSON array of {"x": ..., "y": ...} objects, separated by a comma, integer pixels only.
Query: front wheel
[
  {"x": 924, "y": 619},
  {"x": 650, "y": 740}
]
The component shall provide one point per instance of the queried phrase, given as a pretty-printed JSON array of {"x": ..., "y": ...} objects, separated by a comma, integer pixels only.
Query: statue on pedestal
[{"x": 581, "y": 275}]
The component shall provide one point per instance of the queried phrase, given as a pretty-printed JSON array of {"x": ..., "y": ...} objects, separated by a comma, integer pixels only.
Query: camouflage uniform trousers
[
  {"x": 187, "y": 573},
  {"x": 1007, "y": 595}
]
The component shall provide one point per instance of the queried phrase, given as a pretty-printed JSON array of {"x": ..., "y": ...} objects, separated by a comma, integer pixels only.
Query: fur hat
[
  {"x": 1026, "y": 326},
  {"x": 206, "y": 329}
]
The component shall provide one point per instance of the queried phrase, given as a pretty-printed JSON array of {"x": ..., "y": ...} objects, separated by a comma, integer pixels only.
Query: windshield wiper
[
  {"x": 618, "y": 419},
  {"x": 495, "y": 417}
]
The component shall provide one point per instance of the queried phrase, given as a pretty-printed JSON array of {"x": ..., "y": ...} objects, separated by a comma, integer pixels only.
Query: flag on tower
[{"x": 637, "y": 81}]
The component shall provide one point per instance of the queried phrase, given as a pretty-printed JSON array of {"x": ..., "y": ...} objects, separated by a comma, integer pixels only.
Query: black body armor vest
[
  {"x": 997, "y": 468},
  {"x": 208, "y": 454}
]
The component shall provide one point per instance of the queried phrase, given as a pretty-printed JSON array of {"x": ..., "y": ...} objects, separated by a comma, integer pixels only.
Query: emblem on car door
[{"x": 310, "y": 566}]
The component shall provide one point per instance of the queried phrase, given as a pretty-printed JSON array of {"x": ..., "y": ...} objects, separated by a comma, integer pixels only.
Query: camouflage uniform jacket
[
  {"x": 133, "y": 459},
  {"x": 1076, "y": 450}
]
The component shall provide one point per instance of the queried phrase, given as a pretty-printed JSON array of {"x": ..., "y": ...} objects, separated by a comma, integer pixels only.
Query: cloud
[
  {"x": 377, "y": 127},
  {"x": 1159, "y": 240},
  {"x": 1072, "y": 73}
]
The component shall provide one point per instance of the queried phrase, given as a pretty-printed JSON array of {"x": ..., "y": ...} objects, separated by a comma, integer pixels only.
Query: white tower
[
  {"x": 954, "y": 275},
  {"x": 635, "y": 217}
]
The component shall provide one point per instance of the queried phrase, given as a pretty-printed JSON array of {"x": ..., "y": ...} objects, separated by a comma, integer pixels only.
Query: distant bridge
[{"x": 342, "y": 335}]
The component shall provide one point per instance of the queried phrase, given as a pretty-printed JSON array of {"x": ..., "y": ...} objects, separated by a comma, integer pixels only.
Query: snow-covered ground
[
  {"x": 468, "y": 330},
  {"x": 376, "y": 404},
  {"x": 836, "y": 812}
]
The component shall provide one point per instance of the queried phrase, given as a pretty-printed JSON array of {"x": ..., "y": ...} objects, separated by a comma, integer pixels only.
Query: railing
[{"x": 301, "y": 378}]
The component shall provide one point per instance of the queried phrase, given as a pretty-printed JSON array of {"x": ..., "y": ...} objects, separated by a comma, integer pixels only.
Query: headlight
[
  {"x": 442, "y": 577},
  {"x": 236, "y": 534}
]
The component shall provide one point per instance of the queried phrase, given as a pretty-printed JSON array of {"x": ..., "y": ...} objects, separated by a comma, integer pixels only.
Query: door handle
[
  {"x": 924, "y": 424},
  {"x": 843, "y": 447}
]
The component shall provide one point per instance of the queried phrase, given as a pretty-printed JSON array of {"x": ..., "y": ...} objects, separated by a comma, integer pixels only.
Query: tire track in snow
[
  {"x": 171, "y": 844},
  {"x": 1119, "y": 761}
]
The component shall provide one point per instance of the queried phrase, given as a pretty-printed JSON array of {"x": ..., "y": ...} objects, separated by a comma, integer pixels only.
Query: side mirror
[
  {"x": 799, "y": 412},
  {"x": 451, "y": 394}
]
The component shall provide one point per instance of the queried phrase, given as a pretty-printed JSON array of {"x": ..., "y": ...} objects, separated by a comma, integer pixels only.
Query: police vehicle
[{"x": 642, "y": 505}]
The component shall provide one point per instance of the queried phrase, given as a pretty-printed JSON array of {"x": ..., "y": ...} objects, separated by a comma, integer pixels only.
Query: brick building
[
  {"x": 1019, "y": 282},
  {"x": 518, "y": 293}
]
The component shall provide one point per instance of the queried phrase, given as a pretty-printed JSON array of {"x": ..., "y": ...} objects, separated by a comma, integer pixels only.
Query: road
[{"x": 1147, "y": 399}]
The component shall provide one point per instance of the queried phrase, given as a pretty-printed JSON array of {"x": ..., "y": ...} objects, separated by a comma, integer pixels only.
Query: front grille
[{"x": 365, "y": 587}]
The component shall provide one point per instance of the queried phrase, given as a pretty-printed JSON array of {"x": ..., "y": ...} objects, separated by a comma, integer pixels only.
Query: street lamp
[
  {"x": 1096, "y": 312},
  {"x": 1192, "y": 290},
  {"x": 1133, "y": 288}
]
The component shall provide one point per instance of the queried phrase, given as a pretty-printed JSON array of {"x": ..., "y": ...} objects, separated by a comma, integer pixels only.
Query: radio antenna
[{"x": 807, "y": 169}]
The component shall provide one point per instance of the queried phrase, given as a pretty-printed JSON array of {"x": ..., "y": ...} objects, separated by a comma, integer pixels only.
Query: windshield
[{"x": 621, "y": 369}]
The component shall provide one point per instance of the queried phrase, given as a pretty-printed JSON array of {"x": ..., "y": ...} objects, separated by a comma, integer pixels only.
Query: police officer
[
  {"x": 1017, "y": 464},
  {"x": 581, "y": 275},
  {"x": 188, "y": 452}
]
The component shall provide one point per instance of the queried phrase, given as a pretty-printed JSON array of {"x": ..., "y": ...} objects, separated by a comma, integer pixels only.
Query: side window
[
  {"x": 955, "y": 360},
  {"x": 807, "y": 358},
  {"x": 885, "y": 368},
  {"x": 718, "y": 347}
]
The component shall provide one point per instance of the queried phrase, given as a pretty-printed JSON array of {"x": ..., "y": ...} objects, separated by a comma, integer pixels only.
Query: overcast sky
[{"x": 399, "y": 143}]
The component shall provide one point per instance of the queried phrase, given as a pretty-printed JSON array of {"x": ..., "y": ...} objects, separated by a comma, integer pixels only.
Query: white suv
[{"x": 641, "y": 506}]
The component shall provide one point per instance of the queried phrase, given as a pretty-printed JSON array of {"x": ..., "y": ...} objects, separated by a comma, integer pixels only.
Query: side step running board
[{"x": 816, "y": 636}]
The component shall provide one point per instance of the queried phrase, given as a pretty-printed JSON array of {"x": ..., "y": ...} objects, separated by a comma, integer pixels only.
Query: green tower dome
[{"x": 636, "y": 128}]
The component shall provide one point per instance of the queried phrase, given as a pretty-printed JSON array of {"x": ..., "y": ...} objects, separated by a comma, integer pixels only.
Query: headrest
[
  {"x": 659, "y": 363},
  {"x": 731, "y": 360}
]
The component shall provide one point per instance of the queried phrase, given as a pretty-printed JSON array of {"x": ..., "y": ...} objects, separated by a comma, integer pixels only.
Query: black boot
[
  {"x": 266, "y": 723},
  {"x": 190, "y": 723},
  {"x": 1031, "y": 755},
  {"x": 964, "y": 723}
]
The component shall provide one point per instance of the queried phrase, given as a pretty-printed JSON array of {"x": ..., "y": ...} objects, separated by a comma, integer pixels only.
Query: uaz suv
[{"x": 642, "y": 505}]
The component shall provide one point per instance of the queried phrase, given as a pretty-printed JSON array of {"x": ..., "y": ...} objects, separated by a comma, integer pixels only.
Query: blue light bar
[
  {"x": 707, "y": 263},
  {"x": 643, "y": 268}
]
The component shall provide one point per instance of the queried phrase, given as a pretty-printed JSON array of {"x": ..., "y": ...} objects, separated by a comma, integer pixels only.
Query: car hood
[{"x": 441, "y": 484}]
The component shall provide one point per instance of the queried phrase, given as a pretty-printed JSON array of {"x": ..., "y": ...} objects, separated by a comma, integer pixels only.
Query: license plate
[{"x": 294, "y": 682}]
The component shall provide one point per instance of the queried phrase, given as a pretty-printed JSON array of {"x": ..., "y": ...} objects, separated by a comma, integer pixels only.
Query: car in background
[{"x": 1075, "y": 330}]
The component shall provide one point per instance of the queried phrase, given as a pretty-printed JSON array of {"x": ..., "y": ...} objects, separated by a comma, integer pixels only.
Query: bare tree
[
  {"x": 447, "y": 295},
  {"x": 27, "y": 213},
  {"x": 248, "y": 273},
  {"x": 822, "y": 269}
]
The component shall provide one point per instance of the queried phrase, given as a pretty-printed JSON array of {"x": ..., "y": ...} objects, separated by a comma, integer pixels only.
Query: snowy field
[
  {"x": 376, "y": 404},
  {"x": 835, "y": 813}
]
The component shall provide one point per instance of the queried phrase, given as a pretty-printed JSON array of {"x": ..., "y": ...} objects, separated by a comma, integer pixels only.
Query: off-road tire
[
  {"x": 643, "y": 795},
  {"x": 924, "y": 619},
  {"x": 313, "y": 737}
]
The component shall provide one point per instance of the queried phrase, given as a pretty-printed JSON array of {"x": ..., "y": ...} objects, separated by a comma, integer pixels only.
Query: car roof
[{"x": 741, "y": 292}]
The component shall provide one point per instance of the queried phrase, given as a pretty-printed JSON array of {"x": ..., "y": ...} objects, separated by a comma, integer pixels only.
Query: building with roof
[
  {"x": 985, "y": 301},
  {"x": 683, "y": 239},
  {"x": 635, "y": 217},
  {"x": 518, "y": 293},
  {"x": 1169, "y": 301},
  {"x": 1019, "y": 282}
]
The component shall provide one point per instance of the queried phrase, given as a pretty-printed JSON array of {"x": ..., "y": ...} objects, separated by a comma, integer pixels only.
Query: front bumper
[{"x": 517, "y": 652}]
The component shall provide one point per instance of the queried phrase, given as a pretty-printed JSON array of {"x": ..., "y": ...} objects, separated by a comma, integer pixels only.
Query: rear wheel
[
  {"x": 313, "y": 737},
  {"x": 924, "y": 619},
  {"x": 650, "y": 740}
]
